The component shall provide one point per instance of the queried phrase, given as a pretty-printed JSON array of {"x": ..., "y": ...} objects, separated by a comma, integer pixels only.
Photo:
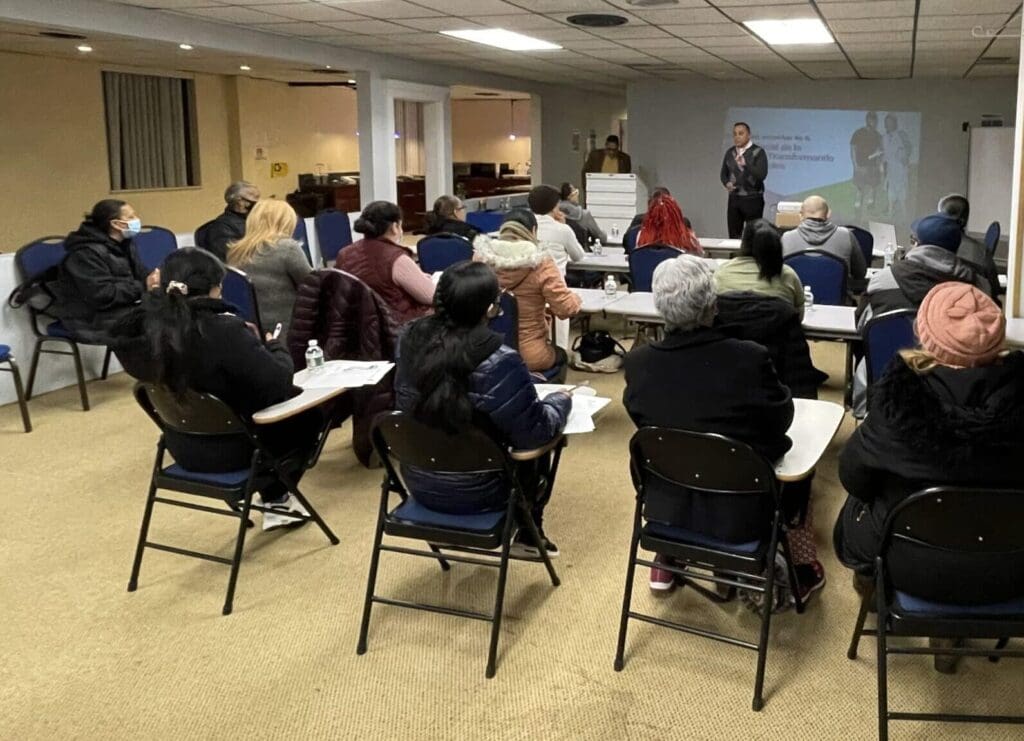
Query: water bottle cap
[{"x": 312, "y": 343}]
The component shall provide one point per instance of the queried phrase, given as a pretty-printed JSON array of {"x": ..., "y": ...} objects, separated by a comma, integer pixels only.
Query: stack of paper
[
  {"x": 584, "y": 406},
  {"x": 347, "y": 374}
]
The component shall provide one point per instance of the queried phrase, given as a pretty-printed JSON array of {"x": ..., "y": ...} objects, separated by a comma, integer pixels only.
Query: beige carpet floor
[{"x": 82, "y": 658}]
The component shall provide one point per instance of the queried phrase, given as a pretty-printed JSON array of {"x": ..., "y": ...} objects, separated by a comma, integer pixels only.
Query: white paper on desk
[
  {"x": 584, "y": 406},
  {"x": 344, "y": 374}
]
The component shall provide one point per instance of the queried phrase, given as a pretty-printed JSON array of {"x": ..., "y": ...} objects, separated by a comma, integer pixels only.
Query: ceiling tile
[
  {"x": 233, "y": 14},
  {"x": 518, "y": 22},
  {"x": 861, "y": 25},
  {"x": 702, "y": 30},
  {"x": 1000, "y": 70},
  {"x": 382, "y": 9},
  {"x": 755, "y": 12},
  {"x": 444, "y": 23},
  {"x": 966, "y": 7},
  {"x": 965, "y": 23},
  {"x": 875, "y": 9},
  {"x": 680, "y": 15},
  {"x": 470, "y": 7},
  {"x": 308, "y": 12},
  {"x": 591, "y": 44},
  {"x": 822, "y": 70},
  {"x": 371, "y": 26},
  {"x": 563, "y": 6},
  {"x": 666, "y": 43},
  {"x": 297, "y": 29}
]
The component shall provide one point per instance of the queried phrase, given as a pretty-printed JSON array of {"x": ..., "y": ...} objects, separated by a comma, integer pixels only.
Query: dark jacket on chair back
[
  {"x": 949, "y": 426},
  {"x": 453, "y": 226},
  {"x": 371, "y": 260},
  {"x": 776, "y": 324},
  {"x": 706, "y": 381},
  {"x": 349, "y": 322},
  {"x": 506, "y": 404},
  {"x": 100, "y": 279}
]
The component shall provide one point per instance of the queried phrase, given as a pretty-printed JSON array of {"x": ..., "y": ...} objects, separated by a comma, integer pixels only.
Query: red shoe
[{"x": 662, "y": 581}]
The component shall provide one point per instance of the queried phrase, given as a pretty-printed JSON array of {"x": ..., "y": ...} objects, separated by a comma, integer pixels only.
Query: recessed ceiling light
[
  {"x": 185, "y": 47},
  {"x": 327, "y": 66},
  {"x": 245, "y": 67},
  {"x": 351, "y": 82},
  {"x": 791, "y": 31},
  {"x": 84, "y": 48},
  {"x": 502, "y": 39}
]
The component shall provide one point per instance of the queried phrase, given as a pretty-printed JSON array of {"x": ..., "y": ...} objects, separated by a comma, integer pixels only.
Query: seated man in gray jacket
[
  {"x": 817, "y": 232},
  {"x": 971, "y": 250}
]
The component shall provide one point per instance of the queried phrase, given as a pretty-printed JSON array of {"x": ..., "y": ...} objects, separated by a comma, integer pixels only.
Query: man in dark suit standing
[
  {"x": 744, "y": 168},
  {"x": 610, "y": 160}
]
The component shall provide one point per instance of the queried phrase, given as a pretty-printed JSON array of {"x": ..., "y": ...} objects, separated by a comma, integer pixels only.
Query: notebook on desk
[
  {"x": 883, "y": 234},
  {"x": 344, "y": 374}
]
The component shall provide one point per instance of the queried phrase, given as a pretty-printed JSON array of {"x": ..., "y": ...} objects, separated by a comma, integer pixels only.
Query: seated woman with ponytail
[
  {"x": 759, "y": 268},
  {"x": 454, "y": 372},
  {"x": 186, "y": 338},
  {"x": 380, "y": 261}
]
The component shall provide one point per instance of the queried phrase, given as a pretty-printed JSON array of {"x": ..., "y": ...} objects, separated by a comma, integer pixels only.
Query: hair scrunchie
[{"x": 177, "y": 285}]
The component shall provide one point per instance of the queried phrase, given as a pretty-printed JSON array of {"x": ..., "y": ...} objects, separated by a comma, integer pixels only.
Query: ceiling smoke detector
[{"x": 596, "y": 20}]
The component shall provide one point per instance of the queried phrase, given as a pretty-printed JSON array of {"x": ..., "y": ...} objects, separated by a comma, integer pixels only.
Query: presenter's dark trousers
[{"x": 741, "y": 210}]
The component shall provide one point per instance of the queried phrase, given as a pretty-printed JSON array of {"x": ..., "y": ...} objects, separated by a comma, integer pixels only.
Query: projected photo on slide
[{"x": 864, "y": 163}]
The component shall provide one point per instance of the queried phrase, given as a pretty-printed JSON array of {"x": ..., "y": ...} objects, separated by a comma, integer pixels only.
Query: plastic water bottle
[
  {"x": 615, "y": 232},
  {"x": 808, "y": 298},
  {"x": 598, "y": 248},
  {"x": 610, "y": 286},
  {"x": 889, "y": 253},
  {"x": 314, "y": 357}
]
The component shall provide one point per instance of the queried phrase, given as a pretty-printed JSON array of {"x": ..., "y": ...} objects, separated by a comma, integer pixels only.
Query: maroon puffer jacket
[{"x": 350, "y": 322}]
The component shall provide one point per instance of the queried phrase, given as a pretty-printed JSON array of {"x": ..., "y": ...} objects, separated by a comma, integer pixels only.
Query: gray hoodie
[{"x": 822, "y": 234}]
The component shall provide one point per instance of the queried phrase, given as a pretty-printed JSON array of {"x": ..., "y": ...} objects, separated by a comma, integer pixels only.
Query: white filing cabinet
[{"x": 611, "y": 200}]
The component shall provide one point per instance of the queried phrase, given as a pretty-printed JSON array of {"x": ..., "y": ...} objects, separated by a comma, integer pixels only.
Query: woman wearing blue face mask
[{"x": 101, "y": 277}]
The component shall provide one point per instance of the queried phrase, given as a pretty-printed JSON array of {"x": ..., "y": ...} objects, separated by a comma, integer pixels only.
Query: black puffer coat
[{"x": 949, "y": 426}]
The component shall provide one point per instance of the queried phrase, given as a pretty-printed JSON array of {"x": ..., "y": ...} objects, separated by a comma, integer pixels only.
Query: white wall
[{"x": 676, "y": 129}]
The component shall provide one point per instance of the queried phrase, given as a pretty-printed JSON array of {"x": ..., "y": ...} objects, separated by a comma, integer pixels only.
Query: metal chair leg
[
  {"x": 20, "y": 391},
  {"x": 106, "y": 364},
  {"x": 499, "y": 598},
  {"x": 80, "y": 373},
  {"x": 133, "y": 580},
  {"x": 883, "y": 656},
  {"x": 858, "y": 629},
  {"x": 531, "y": 526},
  {"x": 32, "y": 369},
  {"x": 794, "y": 580},
  {"x": 236, "y": 561},
  {"x": 627, "y": 598},
  {"x": 371, "y": 579},
  {"x": 445, "y": 566},
  {"x": 766, "y": 619},
  {"x": 1000, "y": 645}
]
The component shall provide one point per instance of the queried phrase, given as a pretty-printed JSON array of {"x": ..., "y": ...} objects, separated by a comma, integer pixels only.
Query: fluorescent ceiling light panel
[
  {"x": 791, "y": 31},
  {"x": 502, "y": 39}
]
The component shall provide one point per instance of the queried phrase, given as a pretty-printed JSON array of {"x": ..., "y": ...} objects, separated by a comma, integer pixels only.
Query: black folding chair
[
  {"x": 38, "y": 261},
  {"x": 725, "y": 473},
  {"x": 401, "y": 440},
  {"x": 7, "y": 358},
  {"x": 206, "y": 416},
  {"x": 967, "y": 536}
]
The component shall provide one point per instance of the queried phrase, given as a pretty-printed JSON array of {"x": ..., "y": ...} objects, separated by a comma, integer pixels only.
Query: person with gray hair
[
  {"x": 215, "y": 235},
  {"x": 699, "y": 378},
  {"x": 971, "y": 250}
]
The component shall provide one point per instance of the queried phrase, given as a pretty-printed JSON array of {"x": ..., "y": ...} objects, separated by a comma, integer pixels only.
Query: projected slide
[{"x": 864, "y": 163}]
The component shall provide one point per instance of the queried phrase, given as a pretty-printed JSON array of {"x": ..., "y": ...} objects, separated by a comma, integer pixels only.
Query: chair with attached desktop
[
  {"x": 302, "y": 237},
  {"x": 486, "y": 221},
  {"x": 438, "y": 251},
  {"x": 7, "y": 359},
  {"x": 676, "y": 471},
  {"x": 206, "y": 416},
  {"x": 506, "y": 323},
  {"x": 153, "y": 245},
  {"x": 629, "y": 238},
  {"x": 992, "y": 235},
  {"x": 824, "y": 273},
  {"x": 38, "y": 263},
  {"x": 478, "y": 538},
  {"x": 239, "y": 291},
  {"x": 884, "y": 336},
  {"x": 969, "y": 538},
  {"x": 333, "y": 233},
  {"x": 642, "y": 263},
  {"x": 866, "y": 242}
]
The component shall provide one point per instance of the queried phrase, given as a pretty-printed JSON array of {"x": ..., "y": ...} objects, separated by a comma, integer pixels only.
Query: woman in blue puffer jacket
[{"x": 453, "y": 372}]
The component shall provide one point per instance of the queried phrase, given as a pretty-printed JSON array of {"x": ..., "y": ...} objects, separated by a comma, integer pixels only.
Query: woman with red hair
[{"x": 665, "y": 225}]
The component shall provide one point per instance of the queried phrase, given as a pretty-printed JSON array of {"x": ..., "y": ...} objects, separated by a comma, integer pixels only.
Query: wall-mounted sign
[{"x": 278, "y": 169}]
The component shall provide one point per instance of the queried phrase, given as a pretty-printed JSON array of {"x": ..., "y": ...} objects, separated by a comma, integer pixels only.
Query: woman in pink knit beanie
[{"x": 950, "y": 412}]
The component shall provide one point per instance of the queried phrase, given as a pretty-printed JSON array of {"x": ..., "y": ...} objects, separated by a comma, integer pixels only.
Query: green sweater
[{"x": 741, "y": 274}]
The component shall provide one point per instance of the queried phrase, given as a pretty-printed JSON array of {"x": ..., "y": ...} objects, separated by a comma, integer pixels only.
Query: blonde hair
[
  {"x": 269, "y": 221},
  {"x": 920, "y": 361}
]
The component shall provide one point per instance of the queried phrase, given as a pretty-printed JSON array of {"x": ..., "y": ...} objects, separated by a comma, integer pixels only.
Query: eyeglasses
[{"x": 461, "y": 207}]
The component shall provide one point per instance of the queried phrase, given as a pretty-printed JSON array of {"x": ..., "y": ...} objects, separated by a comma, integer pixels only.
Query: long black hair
[
  {"x": 104, "y": 212},
  {"x": 523, "y": 216},
  {"x": 377, "y": 217},
  {"x": 443, "y": 350},
  {"x": 762, "y": 242},
  {"x": 185, "y": 275}
]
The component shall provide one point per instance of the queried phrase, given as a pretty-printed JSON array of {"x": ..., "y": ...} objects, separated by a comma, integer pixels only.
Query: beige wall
[
  {"x": 300, "y": 126},
  {"x": 480, "y": 130},
  {"x": 53, "y": 150},
  {"x": 54, "y": 154}
]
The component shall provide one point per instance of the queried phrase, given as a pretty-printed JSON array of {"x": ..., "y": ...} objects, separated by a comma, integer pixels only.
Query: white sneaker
[{"x": 272, "y": 520}]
